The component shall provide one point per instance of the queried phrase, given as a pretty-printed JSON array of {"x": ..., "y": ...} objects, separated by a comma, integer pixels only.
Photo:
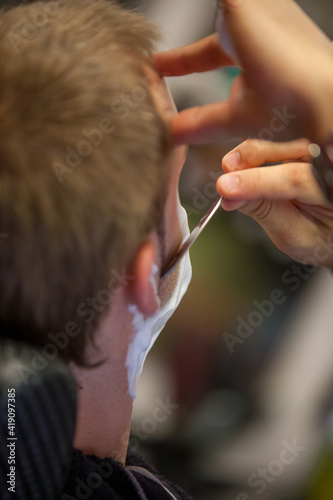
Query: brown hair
[{"x": 83, "y": 163}]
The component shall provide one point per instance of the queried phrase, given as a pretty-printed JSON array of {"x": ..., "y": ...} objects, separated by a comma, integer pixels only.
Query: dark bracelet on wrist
[{"x": 322, "y": 161}]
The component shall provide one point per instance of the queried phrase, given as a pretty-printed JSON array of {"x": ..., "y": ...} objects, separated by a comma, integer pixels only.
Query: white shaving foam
[
  {"x": 153, "y": 281},
  {"x": 137, "y": 350},
  {"x": 147, "y": 329}
]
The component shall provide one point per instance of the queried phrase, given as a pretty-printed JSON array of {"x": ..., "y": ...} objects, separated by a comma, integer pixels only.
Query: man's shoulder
[
  {"x": 98, "y": 479},
  {"x": 90, "y": 477},
  {"x": 135, "y": 462}
]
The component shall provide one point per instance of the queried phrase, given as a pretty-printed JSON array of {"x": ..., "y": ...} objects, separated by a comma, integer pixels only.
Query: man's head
[{"x": 84, "y": 164}]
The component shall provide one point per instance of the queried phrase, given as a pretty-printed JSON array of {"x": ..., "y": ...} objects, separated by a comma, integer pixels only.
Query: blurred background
[{"x": 236, "y": 400}]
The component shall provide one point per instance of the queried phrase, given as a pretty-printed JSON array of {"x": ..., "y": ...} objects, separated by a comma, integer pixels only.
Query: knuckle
[
  {"x": 298, "y": 176},
  {"x": 258, "y": 210},
  {"x": 252, "y": 151},
  {"x": 258, "y": 145}
]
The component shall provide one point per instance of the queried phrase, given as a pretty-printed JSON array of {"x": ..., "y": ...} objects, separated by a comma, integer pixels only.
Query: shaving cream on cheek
[
  {"x": 137, "y": 350},
  {"x": 153, "y": 281},
  {"x": 141, "y": 342},
  {"x": 146, "y": 329}
]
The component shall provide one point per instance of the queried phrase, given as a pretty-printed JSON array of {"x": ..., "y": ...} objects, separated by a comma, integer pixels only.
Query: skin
[
  {"x": 105, "y": 407},
  {"x": 286, "y": 62},
  {"x": 284, "y": 199},
  {"x": 273, "y": 44}
]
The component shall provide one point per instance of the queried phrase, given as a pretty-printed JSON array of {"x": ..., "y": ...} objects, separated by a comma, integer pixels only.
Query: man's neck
[{"x": 104, "y": 405}]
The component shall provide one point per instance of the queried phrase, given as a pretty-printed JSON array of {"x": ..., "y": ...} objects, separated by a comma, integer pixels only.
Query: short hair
[{"x": 84, "y": 164}]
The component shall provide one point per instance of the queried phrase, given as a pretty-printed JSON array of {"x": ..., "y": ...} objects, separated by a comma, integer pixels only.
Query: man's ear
[{"x": 143, "y": 288}]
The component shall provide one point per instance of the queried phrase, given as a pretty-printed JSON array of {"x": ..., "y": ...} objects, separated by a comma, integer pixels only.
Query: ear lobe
[{"x": 143, "y": 288}]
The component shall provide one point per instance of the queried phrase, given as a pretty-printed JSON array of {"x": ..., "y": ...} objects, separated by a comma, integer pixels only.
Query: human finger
[
  {"x": 255, "y": 152},
  {"x": 240, "y": 116},
  {"x": 271, "y": 37},
  {"x": 198, "y": 57},
  {"x": 292, "y": 181}
]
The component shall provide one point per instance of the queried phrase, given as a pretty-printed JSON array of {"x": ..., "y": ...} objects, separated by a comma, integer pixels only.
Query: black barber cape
[{"x": 93, "y": 478}]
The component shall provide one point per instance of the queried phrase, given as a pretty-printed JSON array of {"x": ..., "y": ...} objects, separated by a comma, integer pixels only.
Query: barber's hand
[
  {"x": 286, "y": 88},
  {"x": 284, "y": 199}
]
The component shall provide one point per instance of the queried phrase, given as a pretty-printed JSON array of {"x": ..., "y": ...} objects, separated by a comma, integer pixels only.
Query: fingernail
[
  {"x": 229, "y": 182},
  {"x": 232, "y": 161}
]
